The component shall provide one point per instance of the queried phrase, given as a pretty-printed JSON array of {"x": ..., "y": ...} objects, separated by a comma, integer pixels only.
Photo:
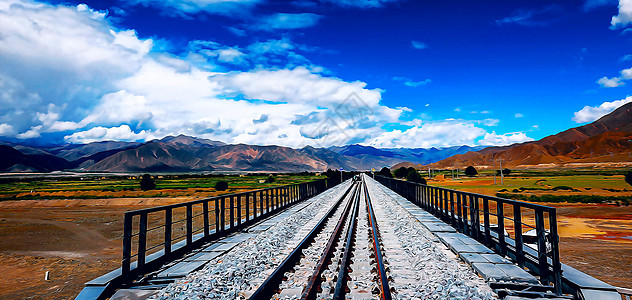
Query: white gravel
[
  {"x": 420, "y": 266},
  {"x": 238, "y": 273}
]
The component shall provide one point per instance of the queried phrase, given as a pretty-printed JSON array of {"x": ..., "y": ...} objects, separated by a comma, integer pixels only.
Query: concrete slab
[
  {"x": 601, "y": 295},
  {"x": 205, "y": 256},
  {"x": 182, "y": 268},
  {"x": 225, "y": 246},
  {"x": 133, "y": 294},
  {"x": 503, "y": 272}
]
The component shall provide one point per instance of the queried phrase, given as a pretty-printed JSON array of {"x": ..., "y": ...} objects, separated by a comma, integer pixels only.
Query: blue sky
[{"x": 296, "y": 73}]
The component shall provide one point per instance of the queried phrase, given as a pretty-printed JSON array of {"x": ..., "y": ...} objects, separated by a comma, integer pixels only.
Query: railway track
[{"x": 340, "y": 258}]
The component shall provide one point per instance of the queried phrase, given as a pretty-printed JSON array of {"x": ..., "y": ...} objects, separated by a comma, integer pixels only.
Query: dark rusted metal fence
[
  {"x": 155, "y": 235},
  {"x": 524, "y": 232}
]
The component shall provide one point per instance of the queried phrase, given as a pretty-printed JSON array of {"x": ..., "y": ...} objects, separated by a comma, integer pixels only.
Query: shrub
[
  {"x": 505, "y": 172},
  {"x": 413, "y": 176},
  {"x": 628, "y": 177},
  {"x": 401, "y": 172},
  {"x": 147, "y": 183},
  {"x": 221, "y": 185},
  {"x": 270, "y": 179},
  {"x": 386, "y": 172},
  {"x": 470, "y": 171}
]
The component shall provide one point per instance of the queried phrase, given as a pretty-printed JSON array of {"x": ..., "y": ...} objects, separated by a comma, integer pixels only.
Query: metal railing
[
  {"x": 156, "y": 235},
  {"x": 524, "y": 232}
]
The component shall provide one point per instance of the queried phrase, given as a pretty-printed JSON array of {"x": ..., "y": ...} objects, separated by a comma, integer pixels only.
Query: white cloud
[
  {"x": 435, "y": 134},
  {"x": 6, "y": 129},
  {"x": 411, "y": 83},
  {"x": 610, "y": 82},
  {"x": 61, "y": 55},
  {"x": 361, "y": 3},
  {"x": 592, "y": 113},
  {"x": 418, "y": 45},
  {"x": 625, "y": 15},
  {"x": 518, "y": 115},
  {"x": 101, "y": 83},
  {"x": 490, "y": 122},
  {"x": 188, "y": 7},
  {"x": 283, "y": 21},
  {"x": 33, "y": 132},
  {"x": 121, "y": 133},
  {"x": 493, "y": 139},
  {"x": 626, "y": 57}
]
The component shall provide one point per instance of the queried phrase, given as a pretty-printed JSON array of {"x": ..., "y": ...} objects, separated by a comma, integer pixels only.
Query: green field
[
  {"x": 129, "y": 186},
  {"x": 562, "y": 186}
]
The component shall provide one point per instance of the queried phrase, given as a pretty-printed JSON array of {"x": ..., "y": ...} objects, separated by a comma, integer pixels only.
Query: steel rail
[
  {"x": 311, "y": 289},
  {"x": 382, "y": 278},
  {"x": 271, "y": 284},
  {"x": 343, "y": 273}
]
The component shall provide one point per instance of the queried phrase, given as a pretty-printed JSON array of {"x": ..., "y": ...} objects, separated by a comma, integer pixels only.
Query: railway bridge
[{"x": 363, "y": 238}]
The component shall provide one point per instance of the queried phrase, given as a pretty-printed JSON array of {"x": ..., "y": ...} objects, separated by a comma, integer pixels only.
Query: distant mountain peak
[{"x": 189, "y": 140}]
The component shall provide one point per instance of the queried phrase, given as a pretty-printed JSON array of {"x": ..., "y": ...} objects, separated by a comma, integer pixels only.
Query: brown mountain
[
  {"x": 607, "y": 140},
  {"x": 191, "y": 154}
]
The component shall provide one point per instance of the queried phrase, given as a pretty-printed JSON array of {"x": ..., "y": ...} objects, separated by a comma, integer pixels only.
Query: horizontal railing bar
[{"x": 194, "y": 202}]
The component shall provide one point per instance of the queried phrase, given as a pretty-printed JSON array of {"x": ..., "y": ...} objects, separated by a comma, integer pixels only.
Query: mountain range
[
  {"x": 606, "y": 140},
  {"x": 189, "y": 154},
  {"x": 609, "y": 139}
]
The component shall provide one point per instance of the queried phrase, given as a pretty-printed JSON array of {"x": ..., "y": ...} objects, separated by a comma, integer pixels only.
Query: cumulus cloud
[
  {"x": 518, "y": 115},
  {"x": 610, "y": 82},
  {"x": 625, "y": 15},
  {"x": 6, "y": 129},
  {"x": 493, "y": 139},
  {"x": 67, "y": 70},
  {"x": 61, "y": 55},
  {"x": 284, "y": 21},
  {"x": 434, "y": 134},
  {"x": 592, "y": 113},
  {"x": 121, "y": 133}
]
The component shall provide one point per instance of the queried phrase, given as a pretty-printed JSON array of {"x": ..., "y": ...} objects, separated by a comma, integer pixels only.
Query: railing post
[
  {"x": 459, "y": 211},
  {"x": 232, "y": 212},
  {"x": 189, "y": 225},
  {"x": 475, "y": 220},
  {"x": 247, "y": 196},
  {"x": 168, "y": 222},
  {"x": 238, "y": 210},
  {"x": 218, "y": 221},
  {"x": 268, "y": 208},
  {"x": 205, "y": 216},
  {"x": 222, "y": 213},
  {"x": 500, "y": 216},
  {"x": 555, "y": 240},
  {"x": 127, "y": 245},
  {"x": 261, "y": 203},
  {"x": 542, "y": 261},
  {"x": 486, "y": 220},
  {"x": 518, "y": 235},
  {"x": 452, "y": 216},
  {"x": 142, "y": 241}
]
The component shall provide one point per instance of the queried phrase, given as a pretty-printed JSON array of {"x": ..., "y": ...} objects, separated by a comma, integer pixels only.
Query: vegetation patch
[{"x": 567, "y": 198}]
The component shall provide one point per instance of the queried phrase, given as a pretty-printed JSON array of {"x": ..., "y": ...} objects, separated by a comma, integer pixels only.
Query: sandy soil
[{"x": 75, "y": 240}]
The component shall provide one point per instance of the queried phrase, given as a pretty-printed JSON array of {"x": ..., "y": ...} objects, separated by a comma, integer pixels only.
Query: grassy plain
[{"x": 73, "y": 227}]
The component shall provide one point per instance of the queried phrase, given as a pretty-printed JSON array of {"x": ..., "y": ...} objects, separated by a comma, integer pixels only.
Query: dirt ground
[
  {"x": 75, "y": 240},
  {"x": 79, "y": 240}
]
